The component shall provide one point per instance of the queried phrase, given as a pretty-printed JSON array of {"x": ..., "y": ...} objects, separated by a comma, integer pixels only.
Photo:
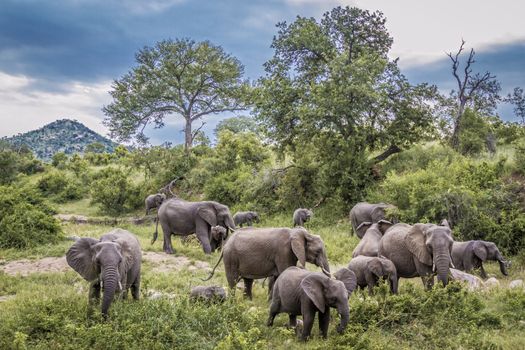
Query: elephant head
[
  {"x": 101, "y": 262},
  {"x": 432, "y": 245},
  {"x": 255, "y": 217},
  {"x": 160, "y": 197},
  {"x": 309, "y": 248},
  {"x": 383, "y": 268},
  {"x": 216, "y": 214},
  {"x": 483, "y": 251},
  {"x": 325, "y": 292},
  {"x": 219, "y": 233}
]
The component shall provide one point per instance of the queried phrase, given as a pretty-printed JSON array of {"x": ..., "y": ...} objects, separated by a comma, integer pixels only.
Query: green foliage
[
  {"x": 59, "y": 160},
  {"x": 112, "y": 190},
  {"x": 475, "y": 197},
  {"x": 8, "y": 166},
  {"x": 331, "y": 89},
  {"x": 25, "y": 219},
  {"x": 473, "y": 133},
  {"x": 60, "y": 186},
  {"x": 169, "y": 77},
  {"x": 237, "y": 125}
]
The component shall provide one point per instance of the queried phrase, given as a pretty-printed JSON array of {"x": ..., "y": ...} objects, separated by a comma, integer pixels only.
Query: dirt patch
[
  {"x": 25, "y": 267},
  {"x": 170, "y": 263}
]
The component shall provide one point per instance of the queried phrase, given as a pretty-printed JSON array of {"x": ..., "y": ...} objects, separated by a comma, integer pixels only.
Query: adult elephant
[
  {"x": 111, "y": 263},
  {"x": 369, "y": 212},
  {"x": 369, "y": 244},
  {"x": 253, "y": 253},
  {"x": 471, "y": 255},
  {"x": 419, "y": 250},
  {"x": 182, "y": 218}
]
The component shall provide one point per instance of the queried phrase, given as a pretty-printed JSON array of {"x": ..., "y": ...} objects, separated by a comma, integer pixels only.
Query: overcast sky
[{"x": 58, "y": 58}]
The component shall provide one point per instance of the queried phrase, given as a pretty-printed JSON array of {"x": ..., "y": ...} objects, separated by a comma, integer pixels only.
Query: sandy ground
[{"x": 161, "y": 262}]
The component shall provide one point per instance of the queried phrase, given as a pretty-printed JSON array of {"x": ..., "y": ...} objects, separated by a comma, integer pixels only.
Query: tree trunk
[
  {"x": 454, "y": 142},
  {"x": 188, "y": 137}
]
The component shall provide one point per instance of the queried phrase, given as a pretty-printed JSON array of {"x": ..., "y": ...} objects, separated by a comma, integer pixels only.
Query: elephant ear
[
  {"x": 208, "y": 215},
  {"x": 313, "y": 286},
  {"x": 348, "y": 277},
  {"x": 384, "y": 225},
  {"x": 127, "y": 254},
  {"x": 375, "y": 267},
  {"x": 298, "y": 242},
  {"x": 415, "y": 242},
  {"x": 480, "y": 250},
  {"x": 80, "y": 258},
  {"x": 361, "y": 229}
]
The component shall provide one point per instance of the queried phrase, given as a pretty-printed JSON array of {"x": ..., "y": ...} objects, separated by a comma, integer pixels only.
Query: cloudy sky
[{"x": 59, "y": 57}]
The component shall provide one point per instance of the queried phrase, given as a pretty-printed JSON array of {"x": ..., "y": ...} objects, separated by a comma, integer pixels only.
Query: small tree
[
  {"x": 517, "y": 98},
  {"x": 479, "y": 91},
  {"x": 175, "y": 78}
]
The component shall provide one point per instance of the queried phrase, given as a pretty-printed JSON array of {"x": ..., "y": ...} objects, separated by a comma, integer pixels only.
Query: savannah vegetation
[{"x": 332, "y": 122}]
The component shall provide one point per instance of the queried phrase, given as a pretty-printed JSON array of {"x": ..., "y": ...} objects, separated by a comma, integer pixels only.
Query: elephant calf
[
  {"x": 208, "y": 293},
  {"x": 470, "y": 255},
  {"x": 301, "y": 215},
  {"x": 111, "y": 264},
  {"x": 369, "y": 270},
  {"x": 300, "y": 292},
  {"x": 245, "y": 217},
  {"x": 154, "y": 201}
]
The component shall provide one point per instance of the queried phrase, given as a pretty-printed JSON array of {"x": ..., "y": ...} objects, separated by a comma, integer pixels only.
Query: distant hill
[{"x": 64, "y": 135}]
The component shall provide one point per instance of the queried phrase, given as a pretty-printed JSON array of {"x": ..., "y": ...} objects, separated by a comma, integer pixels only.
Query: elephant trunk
[
  {"x": 442, "y": 262},
  {"x": 322, "y": 262},
  {"x": 503, "y": 266},
  {"x": 393, "y": 284},
  {"x": 110, "y": 282},
  {"x": 344, "y": 313}
]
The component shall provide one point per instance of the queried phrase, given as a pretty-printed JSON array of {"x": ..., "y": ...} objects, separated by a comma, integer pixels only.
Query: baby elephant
[
  {"x": 208, "y": 293},
  {"x": 301, "y": 215},
  {"x": 301, "y": 292},
  {"x": 111, "y": 264},
  {"x": 154, "y": 201},
  {"x": 245, "y": 217},
  {"x": 369, "y": 270}
]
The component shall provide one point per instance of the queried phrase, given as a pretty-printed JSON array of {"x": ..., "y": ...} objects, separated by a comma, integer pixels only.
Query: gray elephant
[
  {"x": 300, "y": 292},
  {"x": 154, "y": 201},
  {"x": 245, "y": 217},
  {"x": 253, "y": 253},
  {"x": 363, "y": 212},
  {"x": 370, "y": 269},
  {"x": 301, "y": 215},
  {"x": 419, "y": 250},
  {"x": 369, "y": 244},
  {"x": 111, "y": 263},
  {"x": 208, "y": 293},
  {"x": 471, "y": 255},
  {"x": 180, "y": 217}
]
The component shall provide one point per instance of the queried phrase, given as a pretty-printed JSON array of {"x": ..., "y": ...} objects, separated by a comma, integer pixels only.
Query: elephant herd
[{"x": 387, "y": 250}]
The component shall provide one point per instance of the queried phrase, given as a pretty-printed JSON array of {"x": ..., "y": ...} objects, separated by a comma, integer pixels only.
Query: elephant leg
[
  {"x": 202, "y": 232},
  {"x": 482, "y": 272},
  {"x": 292, "y": 320},
  {"x": 324, "y": 322},
  {"x": 135, "y": 289},
  {"x": 271, "y": 281},
  {"x": 308, "y": 320},
  {"x": 248, "y": 283},
  {"x": 428, "y": 281},
  {"x": 274, "y": 310},
  {"x": 167, "y": 247},
  {"x": 94, "y": 292}
]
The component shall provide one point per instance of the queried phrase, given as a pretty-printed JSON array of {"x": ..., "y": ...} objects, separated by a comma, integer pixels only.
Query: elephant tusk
[
  {"x": 120, "y": 285},
  {"x": 433, "y": 267},
  {"x": 327, "y": 273},
  {"x": 452, "y": 264}
]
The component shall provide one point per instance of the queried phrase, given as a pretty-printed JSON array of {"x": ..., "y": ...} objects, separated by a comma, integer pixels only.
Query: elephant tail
[
  {"x": 213, "y": 271},
  {"x": 156, "y": 233}
]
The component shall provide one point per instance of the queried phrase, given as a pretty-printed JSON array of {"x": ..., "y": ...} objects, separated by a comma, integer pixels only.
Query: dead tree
[{"x": 470, "y": 87}]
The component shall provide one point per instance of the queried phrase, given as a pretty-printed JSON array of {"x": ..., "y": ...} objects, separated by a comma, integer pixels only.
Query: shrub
[
  {"x": 59, "y": 160},
  {"x": 8, "y": 167},
  {"x": 60, "y": 187},
  {"x": 25, "y": 219},
  {"x": 113, "y": 191}
]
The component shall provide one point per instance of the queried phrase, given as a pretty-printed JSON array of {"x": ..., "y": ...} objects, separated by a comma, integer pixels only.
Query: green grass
[{"x": 49, "y": 310}]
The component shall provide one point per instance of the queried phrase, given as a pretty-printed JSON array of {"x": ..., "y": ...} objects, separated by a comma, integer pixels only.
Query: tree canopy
[
  {"x": 175, "y": 78},
  {"x": 331, "y": 85}
]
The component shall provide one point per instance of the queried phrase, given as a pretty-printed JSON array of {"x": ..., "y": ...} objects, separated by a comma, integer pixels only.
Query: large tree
[
  {"x": 331, "y": 88},
  {"x": 475, "y": 90},
  {"x": 180, "y": 78}
]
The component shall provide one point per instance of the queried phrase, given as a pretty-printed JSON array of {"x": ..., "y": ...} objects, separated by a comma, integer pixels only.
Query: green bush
[
  {"x": 113, "y": 191},
  {"x": 8, "y": 167},
  {"x": 60, "y": 186},
  {"x": 25, "y": 219}
]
